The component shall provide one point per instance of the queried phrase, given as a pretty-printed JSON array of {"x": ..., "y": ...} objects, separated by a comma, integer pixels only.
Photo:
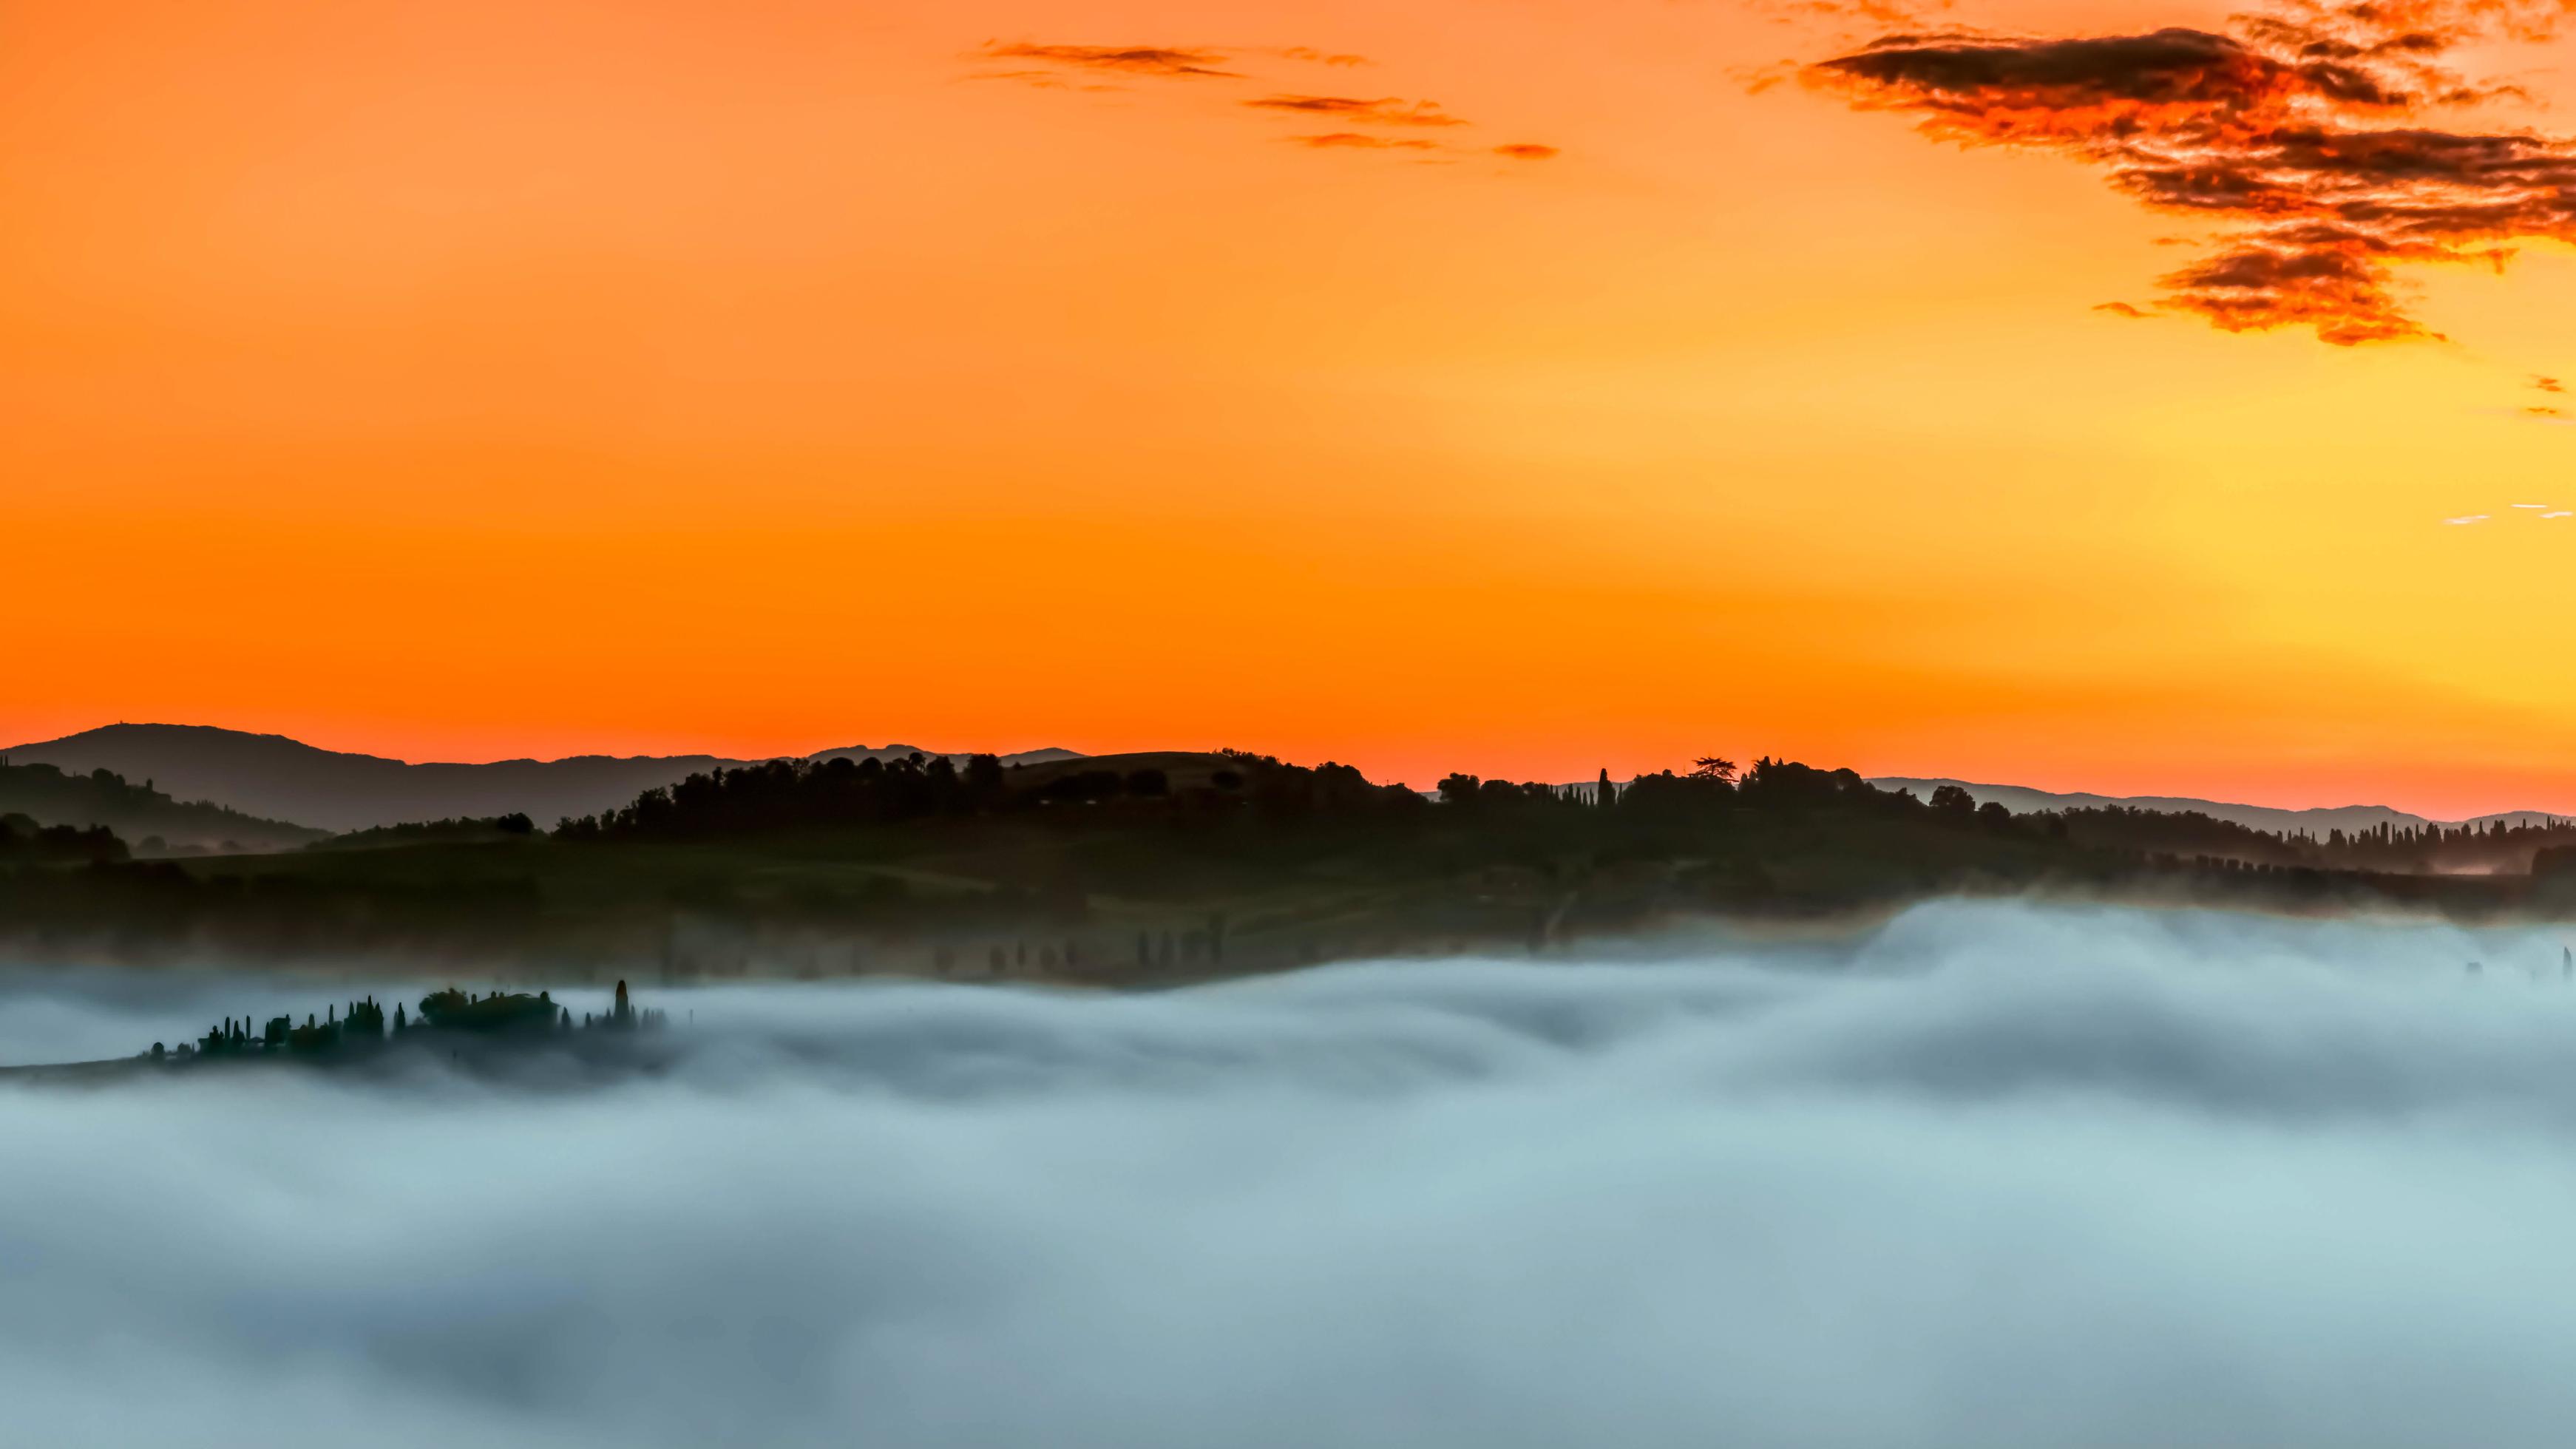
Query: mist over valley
[{"x": 1991, "y": 1175}]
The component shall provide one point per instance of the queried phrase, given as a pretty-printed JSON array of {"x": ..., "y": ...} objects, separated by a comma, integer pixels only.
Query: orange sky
[{"x": 483, "y": 379}]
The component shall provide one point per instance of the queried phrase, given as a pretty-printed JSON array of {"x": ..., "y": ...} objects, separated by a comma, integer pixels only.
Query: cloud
[
  {"x": 2121, "y": 309},
  {"x": 1974, "y": 89},
  {"x": 2262, "y": 285},
  {"x": 1146, "y": 60},
  {"x": 2306, "y": 133},
  {"x": 1310, "y": 54},
  {"x": 1382, "y": 111},
  {"x": 2541, "y": 383},
  {"x": 1766, "y": 76},
  {"x": 2562, "y": 513},
  {"x": 1044, "y": 80},
  {"x": 1883, "y": 13},
  {"x": 2531, "y": 505},
  {"x": 1356, "y": 141},
  {"x": 1980, "y": 1177},
  {"x": 1077, "y": 67},
  {"x": 2465, "y": 520}
]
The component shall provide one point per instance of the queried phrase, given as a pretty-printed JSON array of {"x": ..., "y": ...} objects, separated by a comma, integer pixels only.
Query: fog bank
[{"x": 1998, "y": 1176}]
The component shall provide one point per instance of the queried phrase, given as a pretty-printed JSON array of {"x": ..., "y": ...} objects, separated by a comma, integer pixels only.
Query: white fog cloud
[{"x": 1998, "y": 1176}]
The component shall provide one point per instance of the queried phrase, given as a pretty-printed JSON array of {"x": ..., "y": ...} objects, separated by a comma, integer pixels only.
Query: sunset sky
[{"x": 1518, "y": 386}]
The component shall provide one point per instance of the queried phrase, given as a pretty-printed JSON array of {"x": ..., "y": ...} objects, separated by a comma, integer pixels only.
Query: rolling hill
[
  {"x": 139, "y": 813},
  {"x": 2350, "y": 819},
  {"x": 284, "y": 779}
]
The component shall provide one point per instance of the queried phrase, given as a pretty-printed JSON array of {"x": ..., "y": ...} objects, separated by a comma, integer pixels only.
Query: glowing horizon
[{"x": 1421, "y": 387}]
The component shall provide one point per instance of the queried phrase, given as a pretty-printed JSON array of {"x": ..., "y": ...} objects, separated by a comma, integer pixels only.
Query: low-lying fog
[{"x": 1997, "y": 1177}]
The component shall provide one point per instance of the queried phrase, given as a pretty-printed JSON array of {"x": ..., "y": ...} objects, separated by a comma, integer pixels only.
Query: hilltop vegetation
[
  {"x": 2490, "y": 847},
  {"x": 23, "y": 840},
  {"x": 841, "y": 792},
  {"x": 426, "y": 832}
]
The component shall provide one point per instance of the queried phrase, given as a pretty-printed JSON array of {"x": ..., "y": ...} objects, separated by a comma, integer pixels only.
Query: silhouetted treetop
[{"x": 791, "y": 794}]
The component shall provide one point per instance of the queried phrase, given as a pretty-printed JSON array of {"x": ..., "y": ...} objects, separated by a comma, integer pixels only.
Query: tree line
[
  {"x": 23, "y": 840},
  {"x": 798, "y": 794}
]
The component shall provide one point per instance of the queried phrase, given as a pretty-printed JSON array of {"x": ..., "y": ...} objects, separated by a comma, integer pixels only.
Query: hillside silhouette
[
  {"x": 2318, "y": 820},
  {"x": 143, "y": 815},
  {"x": 284, "y": 779},
  {"x": 287, "y": 783}
]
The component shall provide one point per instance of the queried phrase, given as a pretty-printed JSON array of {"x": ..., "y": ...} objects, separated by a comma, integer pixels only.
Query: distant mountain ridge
[
  {"x": 283, "y": 779},
  {"x": 2350, "y": 819}
]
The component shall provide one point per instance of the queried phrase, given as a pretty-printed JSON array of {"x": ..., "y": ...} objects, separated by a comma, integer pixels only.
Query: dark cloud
[
  {"x": 1148, "y": 60},
  {"x": 1380, "y": 111},
  {"x": 2257, "y": 286},
  {"x": 2542, "y": 383},
  {"x": 1527, "y": 151},
  {"x": 2306, "y": 130},
  {"x": 2120, "y": 309}
]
